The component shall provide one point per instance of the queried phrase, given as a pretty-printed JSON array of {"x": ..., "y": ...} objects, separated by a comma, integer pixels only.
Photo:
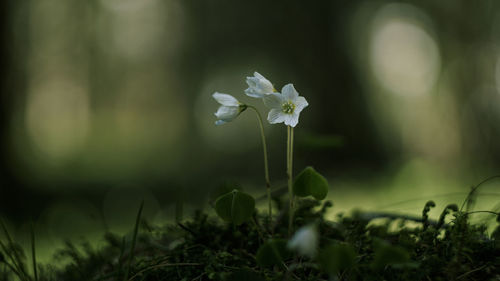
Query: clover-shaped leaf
[
  {"x": 235, "y": 207},
  {"x": 310, "y": 182}
]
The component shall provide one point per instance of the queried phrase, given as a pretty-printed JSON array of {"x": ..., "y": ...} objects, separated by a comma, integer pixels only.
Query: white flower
[
  {"x": 305, "y": 241},
  {"x": 258, "y": 86},
  {"x": 285, "y": 107},
  {"x": 230, "y": 108}
]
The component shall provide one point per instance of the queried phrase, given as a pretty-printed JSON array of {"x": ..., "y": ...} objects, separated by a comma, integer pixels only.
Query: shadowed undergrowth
[{"x": 363, "y": 246}]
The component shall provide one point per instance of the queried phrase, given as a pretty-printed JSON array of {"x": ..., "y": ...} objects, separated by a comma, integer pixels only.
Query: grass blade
[
  {"x": 16, "y": 260},
  {"x": 120, "y": 262},
  {"x": 33, "y": 253},
  {"x": 134, "y": 238}
]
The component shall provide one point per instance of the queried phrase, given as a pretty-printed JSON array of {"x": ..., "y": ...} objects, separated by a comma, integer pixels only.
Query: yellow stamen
[{"x": 288, "y": 107}]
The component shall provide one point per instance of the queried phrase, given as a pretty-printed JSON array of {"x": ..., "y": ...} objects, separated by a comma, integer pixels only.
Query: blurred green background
[{"x": 106, "y": 102}]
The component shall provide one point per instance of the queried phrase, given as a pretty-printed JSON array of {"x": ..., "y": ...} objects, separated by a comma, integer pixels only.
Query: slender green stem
[
  {"x": 266, "y": 165},
  {"x": 291, "y": 164},
  {"x": 289, "y": 156}
]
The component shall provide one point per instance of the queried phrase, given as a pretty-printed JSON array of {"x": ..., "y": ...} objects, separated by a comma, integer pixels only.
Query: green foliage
[
  {"x": 337, "y": 257},
  {"x": 16, "y": 257},
  {"x": 425, "y": 213},
  {"x": 389, "y": 255},
  {"x": 354, "y": 247},
  {"x": 310, "y": 183},
  {"x": 272, "y": 252},
  {"x": 235, "y": 206},
  {"x": 446, "y": 211}
]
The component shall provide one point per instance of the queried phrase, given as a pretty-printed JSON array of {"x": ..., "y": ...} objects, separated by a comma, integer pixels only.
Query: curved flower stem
[
  {"x": 290, "y": 177},
  {"x": 266, "y": 165},
  {"x": 487, "y": 212}
]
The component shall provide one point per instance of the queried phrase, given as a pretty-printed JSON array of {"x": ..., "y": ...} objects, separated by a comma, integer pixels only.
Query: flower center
[{"x": 288, "y": 107}]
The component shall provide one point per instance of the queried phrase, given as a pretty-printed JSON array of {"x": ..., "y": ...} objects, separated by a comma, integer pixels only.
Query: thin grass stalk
[
  {"x": 134, "y": 238},
  {"x": 472, "y": 192},
  {"x": 33, "y": 253},
  {"x": 120, "y": 258},
  {"x": 16, "y": 260},
  {"x": 12, "y": 268}
]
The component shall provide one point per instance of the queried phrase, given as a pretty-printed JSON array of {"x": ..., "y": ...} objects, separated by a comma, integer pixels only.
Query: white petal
[
  {"x": 305, "y": 241},
  {"x": 275, "y": 116},
  {"x": 258, "y": 86},
  {"x": 300, "y": 103},
  {"x": 258, "y": 75},
  {"x": 225, "y": 99},
  {"x": 265, "y": 86},
  {"x": 273, "y": 100},
  {"x": 289, "y": 92},
  {"x": 252, "y": 82},
  {"x": 251, "y": 92},
  {"x": 263, "y": 80},
  {"x": 220, "y": 122},
  {"x": 227, "y": 113},
  {"x": 292, "y": 119}
]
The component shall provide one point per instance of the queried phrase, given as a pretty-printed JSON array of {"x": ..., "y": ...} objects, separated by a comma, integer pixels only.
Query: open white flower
[
  {"x": 258, "y": 86},
  {"x": 285, "y": 107},
  {"x": 305, "y": 241},
  {"x": 230, "y": 108}
]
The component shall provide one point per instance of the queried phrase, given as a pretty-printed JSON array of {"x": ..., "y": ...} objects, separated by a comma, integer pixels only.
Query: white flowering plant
[{"x": 238, "y": 207}]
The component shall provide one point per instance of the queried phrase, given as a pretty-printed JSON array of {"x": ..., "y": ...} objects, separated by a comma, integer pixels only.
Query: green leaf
[
  {"x": 224, "y": 188},
  {"x": 235, "y": 207},
  {"x": 310, "y": 182},
  {"x": 273, "y": 252},
  {"x": 337, "y": 257}
]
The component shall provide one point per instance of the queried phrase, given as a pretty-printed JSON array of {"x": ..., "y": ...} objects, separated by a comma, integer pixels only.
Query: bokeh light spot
[
  {"x": 404, "y": 57},
  {"x": 57, "y": 117}
]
